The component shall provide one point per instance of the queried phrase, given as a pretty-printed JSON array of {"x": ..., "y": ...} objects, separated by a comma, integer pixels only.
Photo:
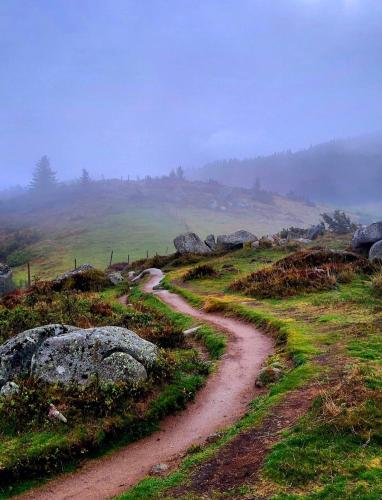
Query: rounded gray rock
[
  {"x": 9, "y": 389},
  {"x": 190, "y": 243},
  {"x": 366, "y": 236},
  {"x": 65, "y": 354},
  {"x": 376, "y": 251},
  {"x": 235, "y": 240}
]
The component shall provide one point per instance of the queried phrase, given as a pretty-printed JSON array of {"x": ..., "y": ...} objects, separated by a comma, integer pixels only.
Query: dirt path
[{"x": 220, "y": 403}]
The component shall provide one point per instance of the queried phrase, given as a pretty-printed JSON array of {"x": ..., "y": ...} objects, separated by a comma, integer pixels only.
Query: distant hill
[
  {"x": 131, "y": 218},
  {"x": 342, "y": 172}
]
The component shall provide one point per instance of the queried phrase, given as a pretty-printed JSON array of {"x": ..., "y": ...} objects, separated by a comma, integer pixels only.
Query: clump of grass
[
  {"x": 351, "y": 406},
  {"x": 346, "y": 276},
  {"x": 215, "y": 305},
  {"x": 198, "y": 272},
  {"x": 376, "y": 284}
]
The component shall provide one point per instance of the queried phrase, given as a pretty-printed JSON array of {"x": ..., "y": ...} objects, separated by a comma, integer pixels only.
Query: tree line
[{"x": 44, "y": 178}]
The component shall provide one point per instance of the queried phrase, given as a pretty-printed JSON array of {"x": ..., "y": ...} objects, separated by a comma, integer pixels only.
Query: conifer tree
[
  {"x": 85, "y": 179},
  {"x": 44, "y": 178}
]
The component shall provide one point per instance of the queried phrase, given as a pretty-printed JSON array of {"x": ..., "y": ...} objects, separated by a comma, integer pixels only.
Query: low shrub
[
  {"x": 92, "y": 280},
  {"x": 19, "y": 257},
  {"x": 214, "y": 305},
  {"x": 346, "y": 276},
  {"x": 303, "y": 272},
  {"x": 376, "y": 284},
  {"x": 273, "y": 283},
  {"x": 201, "y": 271}
]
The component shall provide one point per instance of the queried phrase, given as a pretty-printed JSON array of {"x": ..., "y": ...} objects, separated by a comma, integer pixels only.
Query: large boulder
[
  {"x": 366, "y": 236},
  {"x": 16, "y": 354},
  {"x": 235, "y": 240},
  {"x": 6, "y": 282},
  {"x": 190, "y": 243},
  {"x": 66, "y": 354},
  {"x": 210, "y": 242},
  {"x": 376, "y": 251}
]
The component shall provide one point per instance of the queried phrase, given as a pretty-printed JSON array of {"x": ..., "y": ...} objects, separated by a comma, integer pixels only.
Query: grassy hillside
[
  {"x": 316, "y": 433},
  {"x": 133, "y": 218}
]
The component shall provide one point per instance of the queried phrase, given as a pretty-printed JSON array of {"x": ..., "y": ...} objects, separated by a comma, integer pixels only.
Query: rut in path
[{"x": 222, "y": 401}]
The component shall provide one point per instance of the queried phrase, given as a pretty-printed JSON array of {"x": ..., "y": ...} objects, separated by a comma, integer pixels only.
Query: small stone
[
  {"x": 158, "y": 469},
  {"x": 54, "y": 414},
  {"x": 9, "y": 389},
  {"x": 212, "y": 438},
  {"x": 115, "y": 277},
  {"x": 268, "y": 375},
  {"x": 191, "y": 331}
]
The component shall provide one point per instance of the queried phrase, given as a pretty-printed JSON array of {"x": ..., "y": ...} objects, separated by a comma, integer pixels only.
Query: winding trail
[{"x": 221, "y": 402}]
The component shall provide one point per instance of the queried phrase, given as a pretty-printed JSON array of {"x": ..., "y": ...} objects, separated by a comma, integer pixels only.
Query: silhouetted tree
[
  {"x": 339, "y": 222},
  {"x": 257, "y": 185},
  {"x": 85, "y": 179},
  {"x": 44, "y": 178},
  {"x": 180, "y": 173}
]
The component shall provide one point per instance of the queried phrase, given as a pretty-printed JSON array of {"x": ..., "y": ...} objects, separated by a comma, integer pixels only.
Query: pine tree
[
  {"x": 44, "y": 178},
  {"x": 179, "y": 173},
  {"x": 85, "y": 179}
]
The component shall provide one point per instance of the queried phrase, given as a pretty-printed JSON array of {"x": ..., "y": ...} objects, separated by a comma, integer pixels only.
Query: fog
[{"x": 132, "y": 88}]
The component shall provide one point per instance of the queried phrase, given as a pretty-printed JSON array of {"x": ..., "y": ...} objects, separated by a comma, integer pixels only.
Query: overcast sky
[{"x": 133, "y": 87}]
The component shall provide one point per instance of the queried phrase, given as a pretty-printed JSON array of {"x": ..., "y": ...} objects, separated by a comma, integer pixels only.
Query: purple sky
[{"x": 133, "y": 87}]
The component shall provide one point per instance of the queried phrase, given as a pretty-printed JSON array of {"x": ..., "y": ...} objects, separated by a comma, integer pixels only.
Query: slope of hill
[
  {"x": 132, "y": 218},
  {"x": 344, "y": 172}
]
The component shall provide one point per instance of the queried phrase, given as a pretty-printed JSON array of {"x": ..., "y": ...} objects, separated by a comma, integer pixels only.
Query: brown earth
[{"x": 239, "y": 461}]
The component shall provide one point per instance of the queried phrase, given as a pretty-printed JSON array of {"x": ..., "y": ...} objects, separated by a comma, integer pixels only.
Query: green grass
[
  {"x": 314, "y": 460},
  {"x": 89, "y": 233}
]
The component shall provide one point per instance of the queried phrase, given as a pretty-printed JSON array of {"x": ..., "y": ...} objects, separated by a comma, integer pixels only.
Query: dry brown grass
[
  {"x": 352, "y": 406},
  {"x": 377, "y": 284},
  {"x": 302, "y": 272}
]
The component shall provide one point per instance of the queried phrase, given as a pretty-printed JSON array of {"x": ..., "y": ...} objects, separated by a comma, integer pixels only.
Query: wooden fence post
[
  {"x": 111, "y": 258},
  {"x": 75, "y": 263},
  {"x": 29, "y": 274},
  {"x": 128, "y": 259}
]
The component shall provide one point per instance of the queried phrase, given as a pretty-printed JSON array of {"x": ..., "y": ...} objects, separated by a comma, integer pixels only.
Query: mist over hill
[{"x": 344, "y": 172}]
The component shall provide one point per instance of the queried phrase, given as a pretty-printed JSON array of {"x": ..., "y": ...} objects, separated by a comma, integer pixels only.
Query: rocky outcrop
[
  {"x": 190, "y": 243},
  {"x": 78, "y": 270},
  {"x": 6, "y": 282},
  {"x": 210, "y": 242},
  {"x": 66, "y": 354},
  {"x": 235, "y": 240},
  {"x": 366, "y": 236},
  {"x": 376, "y": 251}
]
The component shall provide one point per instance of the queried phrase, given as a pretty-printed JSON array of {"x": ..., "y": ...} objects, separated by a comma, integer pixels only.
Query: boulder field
[{"x": 191, "y": 243}]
